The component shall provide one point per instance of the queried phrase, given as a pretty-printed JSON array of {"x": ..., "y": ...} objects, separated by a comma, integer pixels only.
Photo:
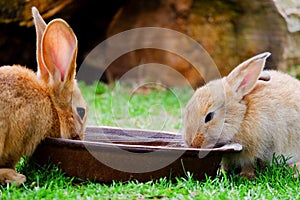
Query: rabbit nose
[
  {"x": 75, "y": 137},
  {"x": 198, "y": 140}
]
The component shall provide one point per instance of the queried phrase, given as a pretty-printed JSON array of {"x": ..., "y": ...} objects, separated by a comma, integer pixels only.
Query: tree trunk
[
  {"x": 230, "y": 31},
  {"x": 20, "y": 10}
]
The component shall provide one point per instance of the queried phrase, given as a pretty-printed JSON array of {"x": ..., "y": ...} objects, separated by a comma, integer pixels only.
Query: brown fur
[{"x": 34, "y": 106}]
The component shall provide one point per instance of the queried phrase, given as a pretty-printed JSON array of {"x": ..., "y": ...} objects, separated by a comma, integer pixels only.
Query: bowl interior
[{"x": 133, "y": 137}]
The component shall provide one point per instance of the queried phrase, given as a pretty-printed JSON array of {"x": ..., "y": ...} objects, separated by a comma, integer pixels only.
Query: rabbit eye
[
  {"x": 80, "y": 112},
  {"x": 209, "y": 117}
]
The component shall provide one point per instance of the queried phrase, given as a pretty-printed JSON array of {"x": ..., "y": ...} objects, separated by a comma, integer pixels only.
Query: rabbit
[
  {"x": 258, "y": 109},
  {"x": 37, "y": 105}
]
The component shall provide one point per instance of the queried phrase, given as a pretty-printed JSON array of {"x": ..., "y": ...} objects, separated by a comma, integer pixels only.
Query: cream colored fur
[{"x": 263, "y": 116}]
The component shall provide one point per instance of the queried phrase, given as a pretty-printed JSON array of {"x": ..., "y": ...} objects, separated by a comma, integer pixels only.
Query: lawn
[{"x": 149, "y": 108}]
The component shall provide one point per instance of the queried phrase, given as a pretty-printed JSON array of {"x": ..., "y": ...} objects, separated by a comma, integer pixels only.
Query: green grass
[
  {"x": 117, "y": 106},
  {"x": 48, "y": 182}
]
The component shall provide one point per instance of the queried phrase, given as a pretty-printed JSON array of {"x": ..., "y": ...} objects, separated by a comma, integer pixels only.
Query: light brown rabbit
[
  {"x": 34, "y": 106},
  {"x": 261, "y": 115}
]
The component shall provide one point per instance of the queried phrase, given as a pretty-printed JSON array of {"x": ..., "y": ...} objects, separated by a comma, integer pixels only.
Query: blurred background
[{"x": 230, "y": 31}]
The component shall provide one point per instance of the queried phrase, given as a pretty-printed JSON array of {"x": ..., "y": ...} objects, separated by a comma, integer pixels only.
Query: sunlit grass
[
  {"x": 122, "y": 106},
  {"x": 48, "y": 182}
]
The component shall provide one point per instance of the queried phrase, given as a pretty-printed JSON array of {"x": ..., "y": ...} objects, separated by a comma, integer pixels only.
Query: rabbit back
[
  {"x": 271, "y": 122},
  {"x": 27, "y": 115}
]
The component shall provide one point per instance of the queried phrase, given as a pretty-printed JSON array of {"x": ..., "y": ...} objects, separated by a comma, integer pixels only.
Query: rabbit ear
[
  {"x": 244, "y": 77},
  {"x": 59, "y": 50},
  {"x": 40, "y": 27}
]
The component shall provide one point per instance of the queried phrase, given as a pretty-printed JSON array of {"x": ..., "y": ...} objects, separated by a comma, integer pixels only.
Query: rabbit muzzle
[{"x": 198, "y": 140}]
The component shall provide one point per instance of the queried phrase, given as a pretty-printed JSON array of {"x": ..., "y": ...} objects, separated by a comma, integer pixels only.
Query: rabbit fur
[
  {"x": 260, "y": 114},
  {"x": 36, "y": 105}
]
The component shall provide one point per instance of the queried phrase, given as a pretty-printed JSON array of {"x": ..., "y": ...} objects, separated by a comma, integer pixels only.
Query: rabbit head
[
  {"x": 214, "y": 114},
  {"x": 56, "y": 58}
]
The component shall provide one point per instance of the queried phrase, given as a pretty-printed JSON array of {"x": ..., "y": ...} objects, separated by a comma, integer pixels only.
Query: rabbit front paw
[{"x": 11, "y": 176}]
